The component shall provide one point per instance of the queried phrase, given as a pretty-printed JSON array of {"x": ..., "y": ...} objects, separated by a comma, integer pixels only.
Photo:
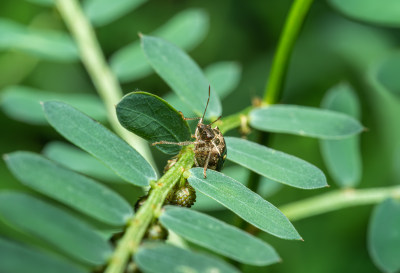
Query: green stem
[
  {"x": 337, "y": 200},
  {"x": 92, "y": 57},
  {"x": 150, "y": 209},
  {"x": 233, "y": 121},
  {"x": 288, "y": 37}
]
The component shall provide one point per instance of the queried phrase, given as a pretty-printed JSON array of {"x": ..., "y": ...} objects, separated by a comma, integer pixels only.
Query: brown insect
[{"x": 210, "y": 147}]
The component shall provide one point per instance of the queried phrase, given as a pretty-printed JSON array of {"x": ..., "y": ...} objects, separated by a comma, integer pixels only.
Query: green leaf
[
  {"x": 182, "y": 74},
  {"x": 179, "y": 105},
  {"x": 186, "y": 30},
  {"x": 357, "y": 45},
  {"x": 99, "y": 142},
  {"x": 266, "y": 188},
  {"x": 158, "y": 257},
  {"x": 384, "y": 74},
  {"x": 153, "y": 119},
  {"x": 45, "y": 44},
  {"x": 242, "y": 201},
  {"x": 55, "y": 226},
  {"x": 23, "y": 103},
  {"x": 342, "y": 157},
  {"x": 218, "y": 236},
  {"x": 383, "y": 236},
  {"x": 75, "y": 159},
  {"x": 68, "y": 187},
  {"x": 102, "y": 12},
  {"x": 304, "y": 121},
  {"x": 224, "y": 77},
  {"x": 381, "y": 12},
  {"x": 16, "y": 257},
  {"x": 275, "y": 165}
]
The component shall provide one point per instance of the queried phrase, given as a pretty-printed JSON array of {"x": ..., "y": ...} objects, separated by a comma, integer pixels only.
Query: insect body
[{"x": 210, "y": 147}]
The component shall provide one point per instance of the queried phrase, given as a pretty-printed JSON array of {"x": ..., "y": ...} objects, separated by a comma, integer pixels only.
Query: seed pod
[
  {"x": 184, "y": 196},
  {"x": 156, "y": 232}
]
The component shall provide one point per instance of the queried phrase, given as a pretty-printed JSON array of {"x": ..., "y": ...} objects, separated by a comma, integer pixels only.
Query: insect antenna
[
  {"x": 209, "y": 92},
  {"x": 216, "y": 120}
]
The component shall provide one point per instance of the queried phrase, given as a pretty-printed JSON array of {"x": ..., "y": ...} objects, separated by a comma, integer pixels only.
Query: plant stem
[
  {"x": 150, "y": 209},
  {"x": 92, "y": 57},
  {"x": 287, "y": 39},
  {"x": 233, "y": 121},
  {"x": 337, "y": 200}
]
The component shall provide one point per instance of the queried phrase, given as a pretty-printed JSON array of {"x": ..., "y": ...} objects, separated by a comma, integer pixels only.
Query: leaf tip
[
  {"x": 301, "y": 239},
  {"x": 140, "y": 35}
]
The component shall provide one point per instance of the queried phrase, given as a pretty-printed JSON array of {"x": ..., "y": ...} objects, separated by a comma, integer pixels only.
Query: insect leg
[
  {"x": 206, "y": 164},
  {"x": 172, "y": 143},
  {"x": 195, "y": 162}
]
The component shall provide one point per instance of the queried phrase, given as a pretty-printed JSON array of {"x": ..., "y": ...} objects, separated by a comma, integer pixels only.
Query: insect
[{"x": 210, "y": 147}]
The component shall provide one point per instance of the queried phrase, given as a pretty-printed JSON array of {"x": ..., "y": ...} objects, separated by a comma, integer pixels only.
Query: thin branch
[
  {"x": 338, "y": 199},
  {"x": 92, "y": 57},
  {"x": 288, "y": 37}
]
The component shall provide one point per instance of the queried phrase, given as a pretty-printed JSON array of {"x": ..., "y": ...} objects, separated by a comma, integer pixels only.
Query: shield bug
[{"x": 210, "y": 147}]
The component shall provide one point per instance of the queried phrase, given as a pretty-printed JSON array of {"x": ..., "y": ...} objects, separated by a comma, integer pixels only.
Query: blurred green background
[{"x": 330, "y": 49}]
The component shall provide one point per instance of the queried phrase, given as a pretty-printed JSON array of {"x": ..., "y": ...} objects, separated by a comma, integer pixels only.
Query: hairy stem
[
  {"x": 150, "y": 209},
  {"x": 92, "y": 57},
  {"x": 288, "y": 37},
  {"x": 337, "y": 200}
]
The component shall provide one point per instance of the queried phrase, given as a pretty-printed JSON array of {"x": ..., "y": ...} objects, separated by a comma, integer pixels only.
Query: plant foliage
[{"x": 65, "y": 219}]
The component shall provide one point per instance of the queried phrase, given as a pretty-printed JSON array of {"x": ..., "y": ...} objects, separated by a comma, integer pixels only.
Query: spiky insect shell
[{"x": 210, "y": 148}]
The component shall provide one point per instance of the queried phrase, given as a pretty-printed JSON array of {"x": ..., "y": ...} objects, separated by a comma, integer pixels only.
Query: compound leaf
[
  {"x": 77, "y": 160},
  {"x": 100, "y": 142},
  {"x": 382, "y": 12},
  {"x": 342, "y": 157},
  {"x": 182, "y": 74},
  {"x": 158, "y": 257},
  {"x": 383, "y": 74},
  {"x": 186, "y": 30},
  {"x": 153, "y": 119},
  {"x": 242, "y": 201},
  {"x": 55, "y": 226},
  {"x": 102, "y": 12},
  {"x": 218, "y": 236},
  {"x": 46, "y": 44},
  {"x": 267, "y": 187},
  {"x": 23, "y": 103},
  {"x": 68, "y": 187},
  {"x": 34, "y": 260},
  {"x": 304, "y": 121},
  {"x": 224, "y": 77},
  {"x": 274, "y": 165},
  {"x": 383, "y": 236}
]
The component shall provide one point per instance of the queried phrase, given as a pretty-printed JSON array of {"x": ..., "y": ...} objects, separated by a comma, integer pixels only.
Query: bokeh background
[{"x": 331, "y": 49}]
